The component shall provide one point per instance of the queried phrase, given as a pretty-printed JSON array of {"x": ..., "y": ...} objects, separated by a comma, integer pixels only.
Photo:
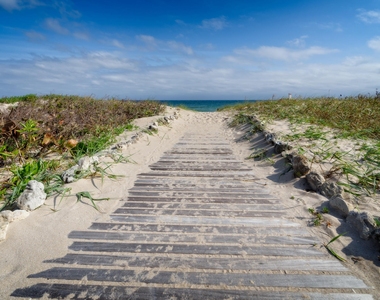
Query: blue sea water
[{"x": 204, "y": 105}]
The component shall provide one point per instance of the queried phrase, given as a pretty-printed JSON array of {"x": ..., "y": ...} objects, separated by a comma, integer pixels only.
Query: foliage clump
[
  {"x": 50, "y": 122},
  {"x": 34, "y": 126}
]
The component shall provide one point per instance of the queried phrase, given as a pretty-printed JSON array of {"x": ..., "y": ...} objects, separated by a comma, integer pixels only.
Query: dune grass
[
  {"x": 37, "y": 126},
  {"x": 357, "y": 117},
  {"x": 70, "y": 126}
]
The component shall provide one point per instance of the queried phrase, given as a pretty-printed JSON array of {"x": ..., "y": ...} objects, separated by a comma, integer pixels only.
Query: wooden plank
[
  {"x": 212, "y": 263},
  {"x": 172, "y": 183},
  {"x": 255, "y": 199},
  {"x": 195, "y": 193},
  {"x": 195, "y": 249},
  {"x": 196, "y": 175},
  {"x": 197, "y": 162},
  {"x": 199, "y": 157},
  {"x": 228, "y": 279},
  {"x": 200, "y": 147},
  {"x": 204, "y": 152},
  {"x": 236, "y": 230},
  {"x": 80, "y": 291},
  {"x": 196, "y": 146},
  {"x": 202, "y": 143},
  {"x": 203, "y": 206},
  {"x": 245, "y": 190},
  {"x": 195, "y": 239},
  {"x": 256, "y": 222},
  {"x": 198, "y": 213},
  {"x": 198, "y": 169}
]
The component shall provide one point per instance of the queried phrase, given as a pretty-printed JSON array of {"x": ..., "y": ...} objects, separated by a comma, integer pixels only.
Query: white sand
[{"x": 44, "y": 234}]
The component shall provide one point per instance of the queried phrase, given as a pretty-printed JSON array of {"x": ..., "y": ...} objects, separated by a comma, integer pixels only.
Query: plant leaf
[{"x": 335, "y": 238}]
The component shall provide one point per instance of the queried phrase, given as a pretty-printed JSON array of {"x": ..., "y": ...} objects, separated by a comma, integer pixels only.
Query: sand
[{"x": 44, "y": 234}]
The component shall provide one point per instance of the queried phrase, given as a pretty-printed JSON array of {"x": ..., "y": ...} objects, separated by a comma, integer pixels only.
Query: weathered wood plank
[
  {"x": 236, "y": 230},
  {"x": 204, "y": 152},
  {"x": 212, "y": 263},
  {"x": 195, "y": 239},
  {"x": 213, "y": 206},
  {"x": 195, "y": 193},
  {"x": 195, "y": 249},
  {"x": 196, "y": 161},
  {"x": 199, "y": 142},
  {"x": 199, "y": 157},
  {"x": 196, "y": 175},
  {"x": 165, "y": 184},
  {"x": 62, "y": 291},
  {"x": 229, "y": 279},
  {"x": 257, "y": 222},
  {"x": 198, "y": 169},
  {"x": 245, "y": 191},
  {"x": 198, "y": 213},
  {"x": 255, "y": 199}
]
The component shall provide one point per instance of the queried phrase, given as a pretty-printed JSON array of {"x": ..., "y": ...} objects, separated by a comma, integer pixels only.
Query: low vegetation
[
  {"x": 353, "y": 116},
  {"x": 327, "y": 120},
  {"x": 40, "y": 134}
]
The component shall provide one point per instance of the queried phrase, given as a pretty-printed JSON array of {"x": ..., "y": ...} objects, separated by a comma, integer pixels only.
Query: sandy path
[{"x": 193, "y": 221}]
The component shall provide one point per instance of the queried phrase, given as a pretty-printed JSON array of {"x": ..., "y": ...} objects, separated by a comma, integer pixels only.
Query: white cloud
[
  {"x": 180, "y": 47},
  {"x": 102, "y": 59},
  {"x": 148, "y": 39},
  {"x": 101, "y": 73},
  {"x": 330, "y": 26},
  {"x": 374, "y": 43},
  {"x": 180, "y": 22},
  {"x": 369, "y": 16},
  {"x": 154, "y": 44},
  {"x": 65, "y": 9},
  {"x": 215, "y": 23},
  {"x": 353, "y": 61},
  {"x": 10, "y": 4},
  {"x": 282, "y": 53},
  {"x": 117, "y": 44},
  {"x": 208, "y": 46},
  {"x": 54, "y": 25},
  {"x": 81, "y": 36},
  {"x": 298, "y": 42},
  {"x": 18, "y": 4},
  {"x": 34, "y": 35}
]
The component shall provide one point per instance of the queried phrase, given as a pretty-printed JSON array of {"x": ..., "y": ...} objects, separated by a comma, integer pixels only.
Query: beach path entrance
[{"x": 197, "y": 226}]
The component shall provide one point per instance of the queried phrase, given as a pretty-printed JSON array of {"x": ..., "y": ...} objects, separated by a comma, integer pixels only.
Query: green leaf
[
  {"x": 335, "y": 238},
  {"x": 334, "y": 253},
  {"x": 87, "y": 195}
]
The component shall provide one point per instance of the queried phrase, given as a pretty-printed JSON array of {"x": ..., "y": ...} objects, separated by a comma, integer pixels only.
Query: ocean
[{"x": 204, "y": 105}]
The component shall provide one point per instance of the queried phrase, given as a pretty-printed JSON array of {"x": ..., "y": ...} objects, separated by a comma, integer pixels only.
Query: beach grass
[
  {"x": 327, "y": 120},
  {"x": 66, "y": 125},
  {"x": 357, "y": 117}
]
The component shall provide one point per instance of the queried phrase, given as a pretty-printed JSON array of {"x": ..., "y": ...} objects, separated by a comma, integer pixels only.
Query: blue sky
[{"x": 199, "y": 49}]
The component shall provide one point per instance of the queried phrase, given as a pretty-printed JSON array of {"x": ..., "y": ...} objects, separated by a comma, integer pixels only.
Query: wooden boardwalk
[{"x": 196, "y": 226}]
